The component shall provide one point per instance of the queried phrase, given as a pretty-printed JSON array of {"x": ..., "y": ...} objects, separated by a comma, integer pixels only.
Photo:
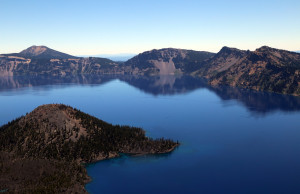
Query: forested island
[{"x": 45, "y": 150}]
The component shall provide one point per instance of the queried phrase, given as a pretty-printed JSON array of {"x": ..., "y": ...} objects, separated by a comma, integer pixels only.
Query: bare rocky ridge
[{"x": 57, "y": 139}]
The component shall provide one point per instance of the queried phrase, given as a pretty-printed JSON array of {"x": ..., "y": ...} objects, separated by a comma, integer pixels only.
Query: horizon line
[{"x": 126, "y": 54}]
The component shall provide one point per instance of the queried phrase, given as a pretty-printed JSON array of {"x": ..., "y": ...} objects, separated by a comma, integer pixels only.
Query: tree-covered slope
[{"x": 57, "y": 135}]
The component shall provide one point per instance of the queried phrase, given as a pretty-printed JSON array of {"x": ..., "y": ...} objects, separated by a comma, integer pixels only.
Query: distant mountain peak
[
  {"x": 34, "y": 50},
  {"x": 43, "y": 52},
  {"x": 229, "y": 49},
  {"x": 226, "y": 51},
  {"x": 265, "y": 49}
]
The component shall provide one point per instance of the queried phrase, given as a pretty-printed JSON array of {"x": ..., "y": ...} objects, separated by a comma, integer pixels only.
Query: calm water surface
[{"x": 233, "y": 140}]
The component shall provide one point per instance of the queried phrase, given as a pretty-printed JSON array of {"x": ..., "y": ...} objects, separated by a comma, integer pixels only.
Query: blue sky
[{"x": 117, "y": 26}]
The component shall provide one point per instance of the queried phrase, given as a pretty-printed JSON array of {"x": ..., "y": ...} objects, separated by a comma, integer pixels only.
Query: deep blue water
[{"x": 232, "y": 140}]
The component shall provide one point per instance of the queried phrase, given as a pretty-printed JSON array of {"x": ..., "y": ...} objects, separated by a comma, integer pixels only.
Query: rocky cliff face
[
  {"x": 265, "y": 69},
  {"x": 12, "y": 65}
]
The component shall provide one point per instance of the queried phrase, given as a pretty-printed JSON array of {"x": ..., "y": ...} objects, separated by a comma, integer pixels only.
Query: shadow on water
[
  {"x": 124, "y": 158},
  {"x": 256, "y": 102}
]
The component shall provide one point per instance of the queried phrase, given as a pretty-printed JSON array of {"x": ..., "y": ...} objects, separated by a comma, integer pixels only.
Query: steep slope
[
  {"x": 167, "y": 61},
  {"x": 222, "y": 61},
  {"x": 265, "y": 69},
  {"x": 58, "y": 136}
]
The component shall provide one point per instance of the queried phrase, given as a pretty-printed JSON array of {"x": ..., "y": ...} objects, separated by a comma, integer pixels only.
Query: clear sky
[{"x": 89, "y": 27}]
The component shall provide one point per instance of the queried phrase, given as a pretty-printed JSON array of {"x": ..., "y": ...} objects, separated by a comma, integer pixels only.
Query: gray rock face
[{"x": 168, "y": 61}]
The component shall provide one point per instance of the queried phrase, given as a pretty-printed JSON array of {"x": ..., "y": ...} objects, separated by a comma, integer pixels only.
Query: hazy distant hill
[{"x": 41, "y": 52}]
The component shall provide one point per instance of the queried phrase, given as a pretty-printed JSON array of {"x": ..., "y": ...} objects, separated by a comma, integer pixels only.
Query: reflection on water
[
  {"x": 256, "y": 102},
  {"x": 223, "y": 149},
  {"x": 19, "y": 82},
  {"x": 140, "y": 159}
]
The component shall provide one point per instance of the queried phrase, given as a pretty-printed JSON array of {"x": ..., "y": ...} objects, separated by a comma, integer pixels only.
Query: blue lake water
[{"x": 232, "y": 140}]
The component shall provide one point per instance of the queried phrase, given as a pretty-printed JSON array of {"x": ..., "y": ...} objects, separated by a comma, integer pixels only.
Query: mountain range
[{"x": 265, "y": 69}]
